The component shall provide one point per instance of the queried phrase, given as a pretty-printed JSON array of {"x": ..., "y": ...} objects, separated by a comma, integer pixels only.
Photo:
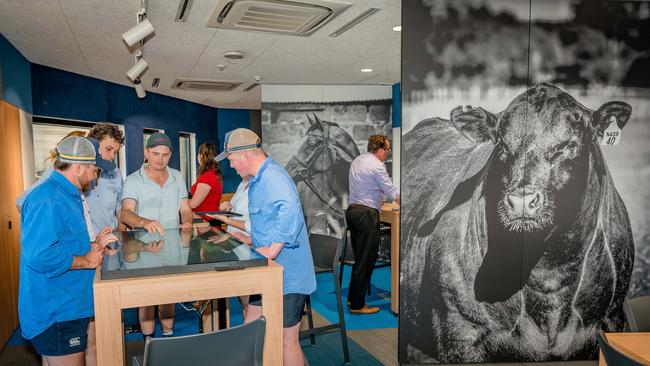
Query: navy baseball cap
[{"x": 102, "y": 164}]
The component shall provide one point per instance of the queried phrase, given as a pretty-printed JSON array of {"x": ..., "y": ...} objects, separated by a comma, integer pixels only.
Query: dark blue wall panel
[
  {"x": 397, "y": 105},
  {"x": 230, "y": 119},
  {"x": 63, "y": 94},
  {"x": 16, "y": 79}
]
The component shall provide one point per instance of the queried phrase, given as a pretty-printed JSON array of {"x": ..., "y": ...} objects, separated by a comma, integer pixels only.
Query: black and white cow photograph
[{"x": 524, "y": 178}]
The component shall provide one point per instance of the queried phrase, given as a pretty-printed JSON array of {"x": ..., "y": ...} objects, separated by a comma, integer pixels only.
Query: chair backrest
[
  {"x": 240, "y": 345},
  {"x": 612, "y": 355},
  {"x": 637, "y": 313},
  {"x": 325, "y": 250}
]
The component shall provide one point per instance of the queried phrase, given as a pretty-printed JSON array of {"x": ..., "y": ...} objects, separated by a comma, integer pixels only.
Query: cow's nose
[{"x": 524, "y": 202}]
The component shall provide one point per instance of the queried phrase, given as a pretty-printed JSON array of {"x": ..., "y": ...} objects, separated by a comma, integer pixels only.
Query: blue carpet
[
  {"x": 327, "y": 351},
  {"x": 324, "y": 300}
]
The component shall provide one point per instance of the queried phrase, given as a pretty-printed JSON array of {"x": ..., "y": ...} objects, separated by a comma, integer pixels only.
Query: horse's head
[{"x": 327, "y": 147}]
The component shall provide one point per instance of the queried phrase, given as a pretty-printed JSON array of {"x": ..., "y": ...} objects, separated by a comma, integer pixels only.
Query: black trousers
[{"x": 363, "y": 223}]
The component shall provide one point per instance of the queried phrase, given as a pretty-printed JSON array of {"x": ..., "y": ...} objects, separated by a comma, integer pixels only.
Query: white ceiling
[{"x": 84, "y": 37}]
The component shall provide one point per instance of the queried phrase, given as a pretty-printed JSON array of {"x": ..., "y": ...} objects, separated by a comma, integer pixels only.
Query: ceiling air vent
[
  {"x": 205, "y": 85},
  {"x": 299, "y": 17}
]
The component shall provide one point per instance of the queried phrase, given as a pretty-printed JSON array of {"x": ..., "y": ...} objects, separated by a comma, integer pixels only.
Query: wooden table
[
  {"x": 111, "y": 296},
  {"x": 634, "y": 345},
  {"x": 390, "y": 214}
]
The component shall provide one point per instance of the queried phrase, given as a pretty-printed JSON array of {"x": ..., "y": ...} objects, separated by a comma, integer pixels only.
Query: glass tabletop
[{"x": 139, "y": 253}]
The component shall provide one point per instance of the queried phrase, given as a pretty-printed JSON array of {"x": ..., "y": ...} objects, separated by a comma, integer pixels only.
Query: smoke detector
[{"x": 233, "y": 55}]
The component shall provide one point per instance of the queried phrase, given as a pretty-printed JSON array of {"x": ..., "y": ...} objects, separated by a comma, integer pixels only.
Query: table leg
[
  {"x": 394, "y": 267},
  {"x": 109, "y": 327},
  {"x": 272, "y": 311}
]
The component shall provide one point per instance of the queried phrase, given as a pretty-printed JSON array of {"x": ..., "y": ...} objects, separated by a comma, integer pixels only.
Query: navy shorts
[
  {"x": 293, "y": 306},
  {"x": 63, "y": 338}
]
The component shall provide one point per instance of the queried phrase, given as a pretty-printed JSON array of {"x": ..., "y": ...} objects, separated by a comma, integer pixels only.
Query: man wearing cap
[
  {"x": 278, "y": 230},
  {"x": 104, "y": 197},
  {"x": 153, "y": 198},
  {"x": 57, "y": 259}
]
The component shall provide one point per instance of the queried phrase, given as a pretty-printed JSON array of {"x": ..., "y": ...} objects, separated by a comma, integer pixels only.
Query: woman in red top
[{"x": 206, "y": 192}]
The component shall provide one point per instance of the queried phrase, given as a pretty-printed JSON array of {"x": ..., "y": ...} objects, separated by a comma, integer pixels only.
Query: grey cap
[{"x": 76, "y": 150}]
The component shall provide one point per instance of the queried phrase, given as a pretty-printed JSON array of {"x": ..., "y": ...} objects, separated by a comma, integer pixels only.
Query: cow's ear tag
[{"x": 612, "y": 135}]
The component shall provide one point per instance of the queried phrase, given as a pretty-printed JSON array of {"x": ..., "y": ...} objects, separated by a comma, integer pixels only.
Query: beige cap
[{"x": 240, "y": 139}]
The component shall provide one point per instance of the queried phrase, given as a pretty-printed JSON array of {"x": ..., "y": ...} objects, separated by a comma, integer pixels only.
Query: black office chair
[
  {"x": 240, "y": 345},
  {"x": 326, "y": 252},
  {"x": 612, "y": 356},
  {"x": 637, "y": 313}
]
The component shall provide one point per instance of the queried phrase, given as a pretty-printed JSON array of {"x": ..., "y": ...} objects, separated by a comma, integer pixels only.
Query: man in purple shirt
[{"x": 368, "y": 182}]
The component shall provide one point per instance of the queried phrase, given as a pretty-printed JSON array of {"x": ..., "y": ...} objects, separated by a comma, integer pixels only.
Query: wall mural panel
[
  {"x": 316, "y": 139},
  {"x": 524, "y": 177}
]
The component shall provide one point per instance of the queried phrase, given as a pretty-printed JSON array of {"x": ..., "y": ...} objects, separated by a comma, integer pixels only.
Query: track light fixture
[
  {"x": 136, "y": 71},
  {"x": 139, "y": 89},
  {"x": 138, "y": 33}
]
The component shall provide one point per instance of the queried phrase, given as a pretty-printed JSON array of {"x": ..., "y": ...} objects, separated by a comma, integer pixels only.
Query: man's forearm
[{"x": 131, "y": 219}]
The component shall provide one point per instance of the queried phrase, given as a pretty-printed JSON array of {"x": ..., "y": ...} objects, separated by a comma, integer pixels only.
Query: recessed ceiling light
[
  {"x": 397, "y": 28},
  {"x": 366, "y": 70}
]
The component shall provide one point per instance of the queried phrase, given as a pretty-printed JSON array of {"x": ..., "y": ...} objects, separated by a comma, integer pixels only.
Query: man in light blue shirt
[
  {"x": 104, "y": 198},
  {"x": 155, "y": 198},
  {"x": 278, "y": 230},
  {"x": 369, "y": 182}
]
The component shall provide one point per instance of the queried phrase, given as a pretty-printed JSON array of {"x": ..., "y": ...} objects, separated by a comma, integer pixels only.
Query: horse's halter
[{"x": 307, "y": 172}]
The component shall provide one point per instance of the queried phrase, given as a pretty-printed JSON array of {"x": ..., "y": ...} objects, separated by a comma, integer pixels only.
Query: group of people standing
[{"x": 69, "y": 217}]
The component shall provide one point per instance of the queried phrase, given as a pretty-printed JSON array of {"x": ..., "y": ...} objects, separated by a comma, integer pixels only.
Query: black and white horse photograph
[
  {"x": 525, "y": 204},
  {"x": 317, "y": 142}
]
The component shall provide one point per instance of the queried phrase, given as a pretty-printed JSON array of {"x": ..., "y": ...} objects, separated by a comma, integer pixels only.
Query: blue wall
[
  {"x": 397, "y": 105},
  {"x": 63, "y": 94},
  {"x": 16, "y": 78},
  {"x": 230, "y": 119}
]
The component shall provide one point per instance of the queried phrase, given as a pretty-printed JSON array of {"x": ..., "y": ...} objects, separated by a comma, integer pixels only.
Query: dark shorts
[
  {"x": 293, "y": 306},
  {"x": 63, "y": 338}
]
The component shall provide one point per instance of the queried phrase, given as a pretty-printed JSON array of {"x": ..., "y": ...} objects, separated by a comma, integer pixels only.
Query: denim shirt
[
  {"x": 104, "y": 199},
  {"x": 276, "y": 217}
]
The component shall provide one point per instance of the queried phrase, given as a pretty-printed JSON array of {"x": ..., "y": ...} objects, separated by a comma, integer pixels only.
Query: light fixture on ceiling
[
  {"x": 361, "y": 17},
  {"x": 183, "y": 10},
  {"x": 366, "y": 70},
  {"x": 138, "y": 33},
  {"x": 139, "y": 89},
  {"x": 139, "y": 68},
  {"x": 397, "y": 28},
  {"x": 233, "y": 55}
]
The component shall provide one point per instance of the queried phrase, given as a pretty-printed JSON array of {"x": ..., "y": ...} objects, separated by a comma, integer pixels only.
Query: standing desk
[
  {"x": 633, "y": 345},
  {"x": 389, "y": 214}
]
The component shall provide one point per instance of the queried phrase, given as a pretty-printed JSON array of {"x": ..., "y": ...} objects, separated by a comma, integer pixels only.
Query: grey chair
[
  {"x": 637, "y": 313},
  {"x": 612, "y": 356},
  {"x": 326, "y": 253},
  {"x": 236, "y": 346}
]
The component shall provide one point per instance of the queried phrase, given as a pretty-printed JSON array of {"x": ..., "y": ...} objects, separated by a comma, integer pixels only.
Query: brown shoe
[{"x": 365, "y": 310}]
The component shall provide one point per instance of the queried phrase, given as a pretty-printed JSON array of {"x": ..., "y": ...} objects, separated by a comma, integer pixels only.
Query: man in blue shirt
[
  {"x": 369, "y": 182},
  {"x": 278, "y": 230},
  {"x": 57, "y": 259}
]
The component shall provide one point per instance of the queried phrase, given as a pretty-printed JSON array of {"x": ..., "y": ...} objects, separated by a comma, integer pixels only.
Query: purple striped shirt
[{"x": 369, "y": 180}]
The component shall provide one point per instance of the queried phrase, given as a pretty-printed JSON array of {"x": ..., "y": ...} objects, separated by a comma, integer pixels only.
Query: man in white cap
[
  {"x": 278, "y": 231},
  {"x": 57, "y": 259}
]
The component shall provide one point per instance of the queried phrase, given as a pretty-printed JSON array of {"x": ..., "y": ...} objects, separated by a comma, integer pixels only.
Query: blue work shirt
[
  {"x": 104, "y": 199},
  {"x": 276, "y": 217},
  {"x": 21, "y": 199},
  {"x": 53, "y": 231}
]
